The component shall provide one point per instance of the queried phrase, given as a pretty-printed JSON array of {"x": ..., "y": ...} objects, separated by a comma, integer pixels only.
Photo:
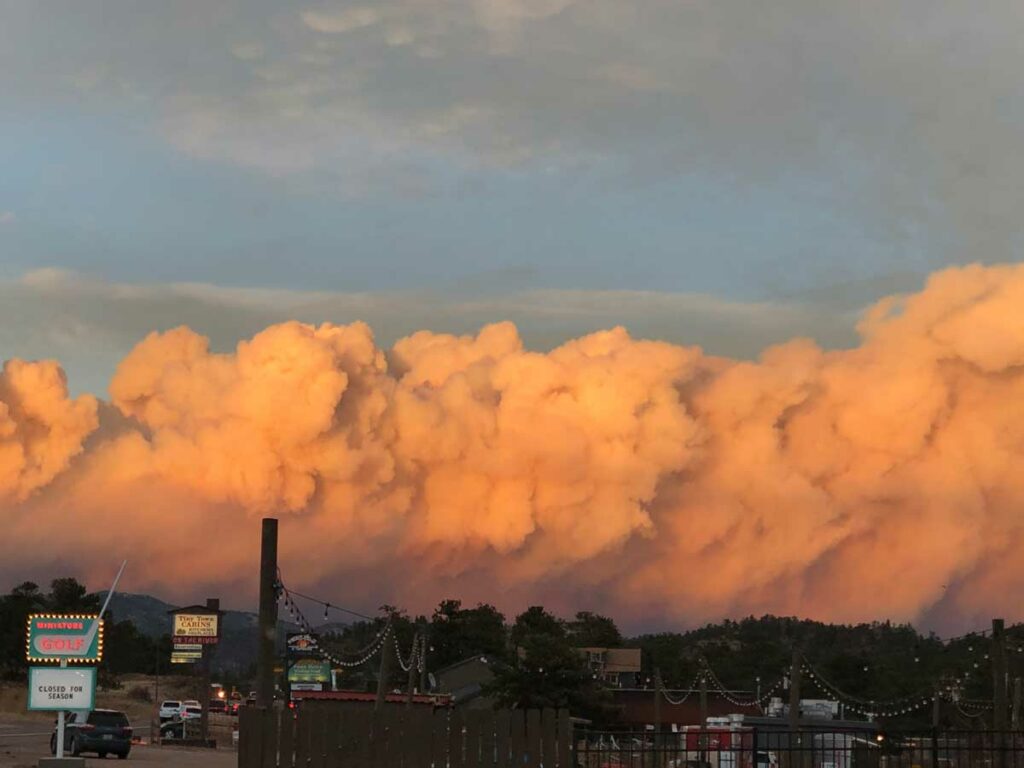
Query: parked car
[
  {"x": 103, "y": 731},
  {"x": 191, "y": 703},
  {"x": 191, "y": 713},
  {"x": 174, "y": 729},
  {"x": 169, "y": 709},
  {"x": 218, "y": 706}
]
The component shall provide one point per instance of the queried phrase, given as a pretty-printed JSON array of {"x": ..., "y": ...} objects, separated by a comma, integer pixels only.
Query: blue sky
[{"x": 724, "y": 174}]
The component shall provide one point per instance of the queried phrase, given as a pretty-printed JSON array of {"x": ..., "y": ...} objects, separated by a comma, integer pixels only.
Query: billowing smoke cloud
[
  {"x": 644, "y": 479},
  {"x": 41, "y": 429}
]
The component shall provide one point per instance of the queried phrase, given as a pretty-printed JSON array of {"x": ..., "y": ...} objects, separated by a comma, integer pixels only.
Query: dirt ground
[
  {"x": 25, "y": 736},
  {"x": 23, "y": 740}
]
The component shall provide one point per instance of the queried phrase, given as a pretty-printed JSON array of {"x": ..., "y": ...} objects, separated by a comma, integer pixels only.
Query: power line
[{"x": 329, "y": 606}]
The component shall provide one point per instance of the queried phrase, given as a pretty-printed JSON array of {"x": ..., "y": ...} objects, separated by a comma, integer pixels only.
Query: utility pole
[
  {"x": 657, "y": 704},
  {"x": 999, "y": 676},
  {"x": 423, "y": 661},
  {"x": 212, "y": 604},
  {"x": 413, "y": 659},
  {"x": 794, "y": 691},
  {"x": 658, "y": 688},
  {"x": 1015, "y": 721},
  {"x": 385, "y": 665},
  {"x": 703, "y": 738},
  {"x": 704, "y": 700},
  {"x": 268, "y": 614}
]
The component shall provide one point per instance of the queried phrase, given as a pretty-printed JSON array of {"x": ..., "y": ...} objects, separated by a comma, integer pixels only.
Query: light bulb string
[{"x": 366, "y": 653}]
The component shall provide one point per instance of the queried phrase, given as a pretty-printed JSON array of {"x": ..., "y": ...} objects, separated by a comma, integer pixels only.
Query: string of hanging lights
[
  {"x": 689, "y": 691},
  {"x": 364, "y": 654}
]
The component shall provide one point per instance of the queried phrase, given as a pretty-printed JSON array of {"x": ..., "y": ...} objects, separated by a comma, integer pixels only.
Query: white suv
[{"x": 170, "y": 709}]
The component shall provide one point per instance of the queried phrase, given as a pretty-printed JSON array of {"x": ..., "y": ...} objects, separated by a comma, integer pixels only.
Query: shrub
[{"x": 140, "y": 693}]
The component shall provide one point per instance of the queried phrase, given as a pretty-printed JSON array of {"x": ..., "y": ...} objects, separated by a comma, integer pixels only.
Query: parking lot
[{"x": 24, "y": 740}]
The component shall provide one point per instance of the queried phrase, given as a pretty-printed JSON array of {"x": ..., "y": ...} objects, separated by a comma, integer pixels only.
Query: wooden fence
[{"x": 335, "y": 734}]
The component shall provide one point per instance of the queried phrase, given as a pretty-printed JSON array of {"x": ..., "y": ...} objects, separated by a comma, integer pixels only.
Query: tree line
[
  {"x": 125, "y": 648},
  {"x": 536, "y": 663}
]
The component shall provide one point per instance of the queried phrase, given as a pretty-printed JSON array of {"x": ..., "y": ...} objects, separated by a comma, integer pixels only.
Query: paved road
[{"x": 24, "y": 741}]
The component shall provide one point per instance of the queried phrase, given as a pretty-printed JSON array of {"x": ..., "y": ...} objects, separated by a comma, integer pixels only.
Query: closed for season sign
[{"x": 53, "y": 688}]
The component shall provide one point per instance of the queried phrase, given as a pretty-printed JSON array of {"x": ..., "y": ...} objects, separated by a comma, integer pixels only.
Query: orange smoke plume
[{"x": 646, "y": 480}]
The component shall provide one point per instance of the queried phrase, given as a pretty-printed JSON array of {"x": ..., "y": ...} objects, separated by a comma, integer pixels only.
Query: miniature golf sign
[
  {"x": 60, "y": 688},
  {"x": 64, "y": 637}
]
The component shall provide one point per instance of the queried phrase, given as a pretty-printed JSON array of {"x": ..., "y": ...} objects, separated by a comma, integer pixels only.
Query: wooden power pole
[
  {"x": 212, "y": 604},
  {"x": 413, "y": 659},
  {"x": 704, "y": 700},
  {"x": 794, "y": 692},
  {"x": 268, "y": 614},
  {"x": 1015, "y": 720},
  {"x": 386, "y": 651},
  {"x": 999, "y": 676},
  {"x": 657, "y": 703},
  {"x": 423, "y": 662}
]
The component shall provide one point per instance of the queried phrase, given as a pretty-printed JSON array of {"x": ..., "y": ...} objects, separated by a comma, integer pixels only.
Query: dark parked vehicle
[
  {"x": 103, "y": 731},
  {"x": 218, "y": 706}
]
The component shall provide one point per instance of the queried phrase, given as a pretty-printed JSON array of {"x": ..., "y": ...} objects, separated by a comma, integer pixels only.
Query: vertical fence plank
[
  {"x": 488, "y": 745},
  {"x": 286, "y": 739},
  {"x": 361, "y": 722},
  {"x": 517, "y": 737},
  {"x": 548, "y": 727},
  {"x": 456, "y": 739},
  {"x": 395, "y": 723},
  {"x": 439, "y": 738},
  {"x": 502, "y": 724},
  {"x": 412, "y": 737},
  {"x": 472, "y": 740},
  {"x": 249, "y": 738},
  {"x": 533, "y": 738},
  {"x": 268, "y": 749},
  {"x": 332, "y": 754},
  {"x": 564, "y": 737},
  {"x": 317, "y": 736},
  {"x": 378, "y": 745},
  {"x": 301, "y": 736}
]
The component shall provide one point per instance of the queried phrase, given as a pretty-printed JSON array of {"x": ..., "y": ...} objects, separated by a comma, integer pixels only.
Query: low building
[
  {"x": 617, "y": 667},
  {"x": 466, "y": 682},
  {"x": 368, "y": 699}
]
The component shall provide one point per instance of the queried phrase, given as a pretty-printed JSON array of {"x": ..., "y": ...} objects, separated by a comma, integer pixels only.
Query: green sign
[
  {"x": 309, "y": 671},
  {"x": 64, "y": 637}
]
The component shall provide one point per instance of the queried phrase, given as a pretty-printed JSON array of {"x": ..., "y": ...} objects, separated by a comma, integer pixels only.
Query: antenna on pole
[{"x": 113, "y": 586}]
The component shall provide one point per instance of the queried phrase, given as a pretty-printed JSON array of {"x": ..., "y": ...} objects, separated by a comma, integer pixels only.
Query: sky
[
  {"x": 325, "y": 240},
  {"x": 725, "y": 174}
]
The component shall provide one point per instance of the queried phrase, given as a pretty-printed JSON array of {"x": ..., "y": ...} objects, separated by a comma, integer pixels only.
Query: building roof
[
  {"x": 471, "y": 660},
  {"x": 617, "y": 659},
  {"x": 437, "y": 700}
]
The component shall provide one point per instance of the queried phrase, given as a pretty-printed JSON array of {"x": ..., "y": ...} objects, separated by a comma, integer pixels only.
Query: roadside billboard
[
  {"x": 196, "y": 625},
  {"x": 309, "y": 671}
]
